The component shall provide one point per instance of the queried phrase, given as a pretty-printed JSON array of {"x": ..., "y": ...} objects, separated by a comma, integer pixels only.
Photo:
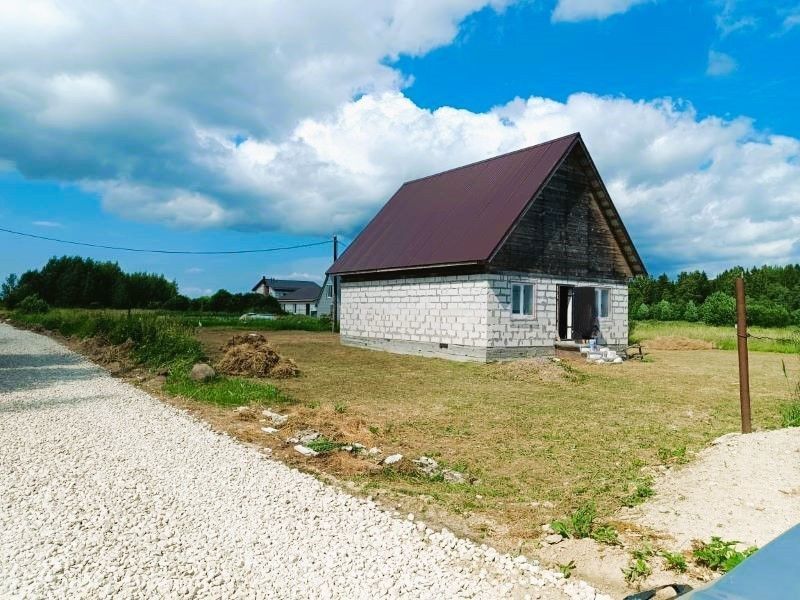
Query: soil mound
[
  {"x": 530, "y": 369},
  {"x": 103, "y": 351},
  {"x": 252, "y": 355},
  {"x": 677, "y": 343}
]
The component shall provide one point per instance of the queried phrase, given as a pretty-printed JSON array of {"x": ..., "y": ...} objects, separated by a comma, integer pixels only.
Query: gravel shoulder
[
  {"x": 106, "y": 491},
  {"x": 742, "y": 487}
]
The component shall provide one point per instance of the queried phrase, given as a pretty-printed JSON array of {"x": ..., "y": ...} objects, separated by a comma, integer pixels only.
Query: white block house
[{"x": 495, "y": 260}]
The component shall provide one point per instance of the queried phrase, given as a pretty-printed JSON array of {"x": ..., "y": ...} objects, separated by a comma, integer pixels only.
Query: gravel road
[{"x": 105, "y": 491}]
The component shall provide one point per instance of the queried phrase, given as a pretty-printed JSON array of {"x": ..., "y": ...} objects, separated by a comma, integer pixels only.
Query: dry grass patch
[
  {"x": 677, "y": 343},
  {"x": 536, "y": 369},
  {"x": 532, "y": 434}
]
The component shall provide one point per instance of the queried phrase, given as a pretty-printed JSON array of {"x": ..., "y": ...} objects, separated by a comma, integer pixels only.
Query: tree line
[
  {"x": 773, "y": 296},
  {"x": 76, "y": 282}
]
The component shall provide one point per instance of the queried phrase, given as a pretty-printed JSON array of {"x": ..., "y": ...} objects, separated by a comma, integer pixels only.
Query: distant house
[
  {"x": 325, "y": 300},
  {"x": 295, "y": 296},
  {"x": 498, "y": 259}
]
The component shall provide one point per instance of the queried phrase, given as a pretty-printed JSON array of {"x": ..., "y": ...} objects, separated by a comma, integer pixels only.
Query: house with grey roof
[
  {"x": 507, "y": 257},
  {"x": 295, "y": 296}
]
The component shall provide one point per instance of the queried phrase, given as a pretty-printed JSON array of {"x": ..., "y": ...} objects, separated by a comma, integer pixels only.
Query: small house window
[
  {"x": 522, "y": 299},
  {"x": 329, "y": 290},
  {"x": 601, "y": 296}
]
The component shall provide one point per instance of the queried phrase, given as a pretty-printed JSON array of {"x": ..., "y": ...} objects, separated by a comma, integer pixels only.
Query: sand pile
[{"x": 252, "y": 355}]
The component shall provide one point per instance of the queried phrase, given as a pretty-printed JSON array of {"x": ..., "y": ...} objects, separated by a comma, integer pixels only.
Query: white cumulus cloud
[
  {"x": 692, "y": 190},
  {"x": 583, "y": 10},
  {"x": 290, "y": 116}
]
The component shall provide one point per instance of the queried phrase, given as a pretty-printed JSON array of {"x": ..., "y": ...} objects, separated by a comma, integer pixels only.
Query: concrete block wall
[
  {"x": 431, "y": 310},
  {"x": 541, "y": 329},
  {"x": 463, "y": 316}
]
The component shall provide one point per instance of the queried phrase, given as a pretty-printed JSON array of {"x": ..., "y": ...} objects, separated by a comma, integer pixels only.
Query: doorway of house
[
  {"x": 576, "y": 312},
  {"x": 564, "y": 316}
]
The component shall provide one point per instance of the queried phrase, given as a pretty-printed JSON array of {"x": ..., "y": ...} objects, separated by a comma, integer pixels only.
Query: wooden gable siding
[{"x": 564, "y": 232}]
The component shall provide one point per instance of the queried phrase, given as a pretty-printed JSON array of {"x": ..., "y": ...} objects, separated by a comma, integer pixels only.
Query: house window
[
  {"x": 602, "y": 297},
  {"x": 522, "y": 299},
  {"x": 329, "y": 290}
]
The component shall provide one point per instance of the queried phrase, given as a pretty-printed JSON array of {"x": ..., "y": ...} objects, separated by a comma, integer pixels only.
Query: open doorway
[
  {"x": 564, "y": 316},
  {"x": 577, "y": 314}
]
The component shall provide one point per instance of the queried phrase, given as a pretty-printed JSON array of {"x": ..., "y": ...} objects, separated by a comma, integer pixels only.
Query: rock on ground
[
  {"x": 742, "y": 487},
  {"x": 202, "y": 372},
  {"x": 107, "y": 492}
]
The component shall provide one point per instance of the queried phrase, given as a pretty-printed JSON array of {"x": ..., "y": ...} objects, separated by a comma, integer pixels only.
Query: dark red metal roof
[{"x": 455, "y": 217}]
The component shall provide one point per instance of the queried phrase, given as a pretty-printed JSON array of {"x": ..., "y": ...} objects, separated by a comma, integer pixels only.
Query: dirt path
[{"x": 742, "y": 487}]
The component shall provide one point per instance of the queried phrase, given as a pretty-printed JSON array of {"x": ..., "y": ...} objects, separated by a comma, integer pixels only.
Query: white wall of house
[
  {"x": 299, "y": 308},
  {"x": 465, "y": 317},
  {"x": 427, "y": 310},
  {"x": 325, "y": 302},
  {"x": 507, "y": 330}
]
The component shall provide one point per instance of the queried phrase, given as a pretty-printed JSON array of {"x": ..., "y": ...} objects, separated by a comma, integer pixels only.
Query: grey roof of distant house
[
  {"x": 310, "y": 292},
  {"x": 283, "y": 284}
]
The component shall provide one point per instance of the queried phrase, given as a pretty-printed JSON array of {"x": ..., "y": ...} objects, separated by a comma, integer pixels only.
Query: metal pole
[
  {"x": 744, "y": 368},
  {"x": 333, "y": 283}
]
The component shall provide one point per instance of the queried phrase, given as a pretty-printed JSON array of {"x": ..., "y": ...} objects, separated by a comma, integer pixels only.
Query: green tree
[
  {"x": 9, "y": 289},
  {"x": 718, "y": 309},
  {"x": 663, "y": 311},
  {"x": 642, "y": 313},
  {"x": 766, "y": 313},
  {"x": 690, "y": 312}
]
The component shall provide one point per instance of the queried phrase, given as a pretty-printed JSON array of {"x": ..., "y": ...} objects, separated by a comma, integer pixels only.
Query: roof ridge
[{"x": 478, "y": 162}]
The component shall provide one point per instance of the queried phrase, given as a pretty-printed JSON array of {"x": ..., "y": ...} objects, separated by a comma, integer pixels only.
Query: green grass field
[{"x": 784, "y": 340}]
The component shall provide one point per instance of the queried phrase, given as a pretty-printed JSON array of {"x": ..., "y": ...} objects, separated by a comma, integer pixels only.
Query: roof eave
[{"x": 405, "y": 268}]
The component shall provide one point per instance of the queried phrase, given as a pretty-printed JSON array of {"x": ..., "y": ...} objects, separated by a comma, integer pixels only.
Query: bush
[
  {"x": 33, "y": 304},
  {"x": 718, "y": 309},
  {"x": 690, "y": 312},
  {"x": 663, "y": 311},
  {"x": 642, "y": 312},
  {"x": 768, "y": 314}
]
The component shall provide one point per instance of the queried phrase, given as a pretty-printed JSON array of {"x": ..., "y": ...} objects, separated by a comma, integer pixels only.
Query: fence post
[{"x": 744, "y": 367}]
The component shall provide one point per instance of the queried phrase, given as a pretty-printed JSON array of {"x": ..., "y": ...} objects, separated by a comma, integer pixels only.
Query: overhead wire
[{"x": 163, "y": 251}]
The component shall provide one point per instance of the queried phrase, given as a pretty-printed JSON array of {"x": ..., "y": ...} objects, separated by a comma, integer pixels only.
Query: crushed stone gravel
[
  {"x": 107, "y": 492},
  {"x": 743, "y": 487}
]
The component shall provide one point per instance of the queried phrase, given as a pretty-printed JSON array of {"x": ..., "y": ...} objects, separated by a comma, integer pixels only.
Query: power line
[{"x": 160, "y": 251}]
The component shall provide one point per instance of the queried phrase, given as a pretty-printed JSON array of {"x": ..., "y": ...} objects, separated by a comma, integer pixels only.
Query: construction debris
[
  {"x": 277, "y": 419},
  {"x": 600, "y": 354}
]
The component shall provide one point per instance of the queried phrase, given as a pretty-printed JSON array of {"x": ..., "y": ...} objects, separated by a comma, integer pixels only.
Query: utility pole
[
  {"x": 335, "y": 316},
  {"x": 744, "y": 367}
]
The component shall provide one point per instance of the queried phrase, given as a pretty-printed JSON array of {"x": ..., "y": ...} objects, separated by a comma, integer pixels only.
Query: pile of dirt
[
  {"x": 530, "y": 369},
  {"x": 677, "y": 343},
  {"x": 252, "y": 355},
  {"x": 114, "y": 357}
]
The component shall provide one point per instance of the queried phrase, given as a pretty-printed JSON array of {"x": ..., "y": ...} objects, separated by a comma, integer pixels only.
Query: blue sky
[{"x": 201, "y": 130}]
